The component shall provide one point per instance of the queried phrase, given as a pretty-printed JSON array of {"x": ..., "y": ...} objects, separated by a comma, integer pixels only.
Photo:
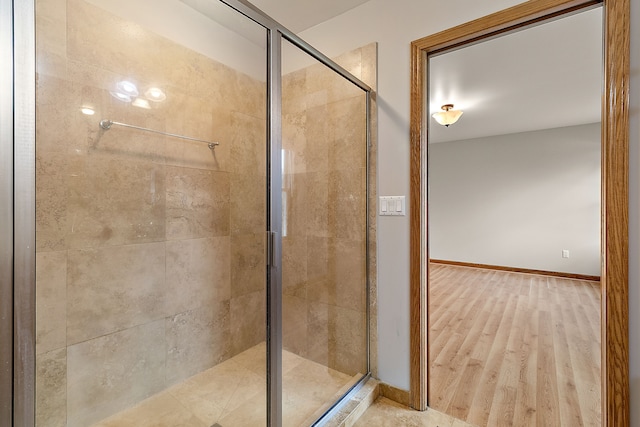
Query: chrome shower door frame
[{"x": 17, "y": 212}]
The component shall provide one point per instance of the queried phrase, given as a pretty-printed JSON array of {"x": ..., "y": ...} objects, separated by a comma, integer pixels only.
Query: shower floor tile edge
[{"x": 233, "y": 393}]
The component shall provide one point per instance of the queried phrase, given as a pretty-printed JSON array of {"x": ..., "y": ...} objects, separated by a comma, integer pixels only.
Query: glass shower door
[
  {"x": 150, "y": 254},
  {"x": 324, "y": 258}
]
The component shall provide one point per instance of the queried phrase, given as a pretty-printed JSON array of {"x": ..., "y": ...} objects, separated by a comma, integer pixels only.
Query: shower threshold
[{"x": 233, "y": 394}]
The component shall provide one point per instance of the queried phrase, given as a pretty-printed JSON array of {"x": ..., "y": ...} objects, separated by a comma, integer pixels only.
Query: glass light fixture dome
[{"x": 447, "y": 117}]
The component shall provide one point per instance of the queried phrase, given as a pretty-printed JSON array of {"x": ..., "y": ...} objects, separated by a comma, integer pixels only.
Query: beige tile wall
[
  {"x": 324, "y": 251},
  {"x": 150, "y": 250}
]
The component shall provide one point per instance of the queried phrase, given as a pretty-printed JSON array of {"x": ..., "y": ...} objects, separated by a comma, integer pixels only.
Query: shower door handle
[{"x": 271, "y": 249}]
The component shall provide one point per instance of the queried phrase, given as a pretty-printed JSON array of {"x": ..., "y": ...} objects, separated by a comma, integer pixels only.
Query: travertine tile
[
  {"x": 113, "y": 372},
  {"x": 294, "y": 86},
  {"x": 51, "y": 389},
  {"x": 58, "y": 116},
  {"x": 351, "y": 61},
  {"x": 121, "y": 186},
  {"x": 317, "y": 150},
  {"x": 51, "y": 202},
  {"x": 322, "y": 348},
  {"x": 192, "y": 116},
  {"x": 50, "y": 64},
  {"x": 113, "y": 201},
  {"x": 320, "y": 210},
  {"x": 370, "y": 65},
  {"x": 322, "y": 286},
  {"x": 247, "y": 203},
  {"x": 294, "y": 266},
  {"x": 197, "y": 203},
  {"x": 162, "y": 410},
  {"x": 114, "y": 288},
  {"x": 357, "y": 405},
  {"x": 337, "y": 272},
  {"x": 248, "y": 415},
  {"x": 249, "y": 96},
  {"x": 247, "y": 321},
  {"x": 322, "y": 78},
  {"x": 387, "y": 413},
  {"x": 120, "y": 143},
  {"x": 296, "y": 409},
  {"x": 314, "y": 381},
  {"x": 347, "y": 135},
  {"x": 350, "y": 274},
  {"x": 192, "y": 74},
  {"x": 219, "y": 390},
  {"x": 350, "y": 336},
  {"x": 255, "y": 359},
  {"x": 197, "y": 340},
  {"x": 248, "y": 266},
  {"x": 51, "y": 301},
  {"x": 297, "y": 203},
  {"x": 294, "y": 324},
  {"x": 347, "y": 189},
  {"x": 233, "y": 393},
  {"x": 51, "y": 36},
  {"x": 197, "y": 155},
  {"x": 198, "y": 273},
  {"x": 339, "y": 337},
  {"x": 248, "y": 144},
  {"x": 143, "y": 56},
  {"x": 294, "y": 141}
]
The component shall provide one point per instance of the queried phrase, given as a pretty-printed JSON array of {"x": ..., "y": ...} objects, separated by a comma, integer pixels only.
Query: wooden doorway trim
[{"x": 615, "y": 193}]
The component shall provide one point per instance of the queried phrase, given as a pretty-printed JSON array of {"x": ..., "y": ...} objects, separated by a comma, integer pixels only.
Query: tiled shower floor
[{"x": 232, "y": 394}]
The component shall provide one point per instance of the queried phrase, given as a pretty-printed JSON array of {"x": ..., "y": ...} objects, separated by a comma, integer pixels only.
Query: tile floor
[
  {"x": 232, "y": 394},
  {"x": 387, "y": 413}
]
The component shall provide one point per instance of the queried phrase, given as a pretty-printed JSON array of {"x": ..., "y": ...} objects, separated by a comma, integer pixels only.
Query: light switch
[{"x": 392, "y": 205}]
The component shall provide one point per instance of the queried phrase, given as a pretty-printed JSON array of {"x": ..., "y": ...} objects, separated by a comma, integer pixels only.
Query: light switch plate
[{"x": 391, "y": 206}]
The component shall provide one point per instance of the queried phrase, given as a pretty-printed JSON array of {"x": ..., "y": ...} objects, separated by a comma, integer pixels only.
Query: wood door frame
[{"x": 614, "y": 196}]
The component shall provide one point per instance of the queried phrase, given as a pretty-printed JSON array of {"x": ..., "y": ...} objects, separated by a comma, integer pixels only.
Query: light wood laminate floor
[{"x": 512, "y": 349}]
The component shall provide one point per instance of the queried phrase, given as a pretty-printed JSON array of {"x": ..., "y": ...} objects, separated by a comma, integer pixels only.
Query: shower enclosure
[{"x": 201, "y": 219}]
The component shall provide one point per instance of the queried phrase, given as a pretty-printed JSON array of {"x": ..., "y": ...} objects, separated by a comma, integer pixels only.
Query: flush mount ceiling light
[{"x": 447, "y": 117}]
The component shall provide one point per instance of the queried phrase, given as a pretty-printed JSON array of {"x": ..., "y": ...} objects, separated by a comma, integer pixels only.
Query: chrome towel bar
[{"x": 106, "y": 125}]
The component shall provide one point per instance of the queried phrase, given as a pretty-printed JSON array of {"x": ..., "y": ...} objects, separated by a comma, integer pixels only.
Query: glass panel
[
  {"x": 324, "y": 235},
  {"x": 150, "y": 248}
]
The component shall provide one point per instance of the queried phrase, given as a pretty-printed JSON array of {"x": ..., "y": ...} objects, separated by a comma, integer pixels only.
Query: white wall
[
  {"x": 518, "y": 200},
  {"x": 394, "y": 25}
]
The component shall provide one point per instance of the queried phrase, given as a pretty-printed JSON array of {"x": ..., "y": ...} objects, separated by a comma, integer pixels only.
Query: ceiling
[
  {"x": 543, "y": 77},
  {"x": 298, "y": 15}
]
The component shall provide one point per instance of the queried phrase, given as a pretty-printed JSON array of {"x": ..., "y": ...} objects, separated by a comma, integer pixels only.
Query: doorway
[
  {"x": 614, "y": 187},
  {"x": 514, "y": 320}
]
